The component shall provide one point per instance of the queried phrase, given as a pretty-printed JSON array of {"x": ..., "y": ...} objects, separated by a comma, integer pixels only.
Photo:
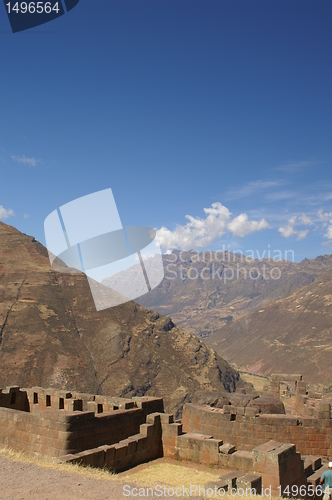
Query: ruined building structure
[{"x": 252, "y": 449}]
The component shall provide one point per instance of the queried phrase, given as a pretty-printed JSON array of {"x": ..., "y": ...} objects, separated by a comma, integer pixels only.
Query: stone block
[
  {"x": 120, "y": 451},
  {"x": 323, "y": 415},
  {"x": 241, "y": 460},
  {"x": 153, "y": 418},
  {"x": 170, "y": 451},
  {"x": 192, "y": 439},
  {"x": 219, "y": 486},
  {"x": 183, "y": 453},
  {"x": 65, "y": 459},
  {"x": 238, "y": 410},
  {"x": 272, "y": 481},
  {"x": 109, "y": 455},
  {"x": 250, "y": 482},
  {"x": 93, "y": 458},
  {"x": 316, "y": 462},
  {"x": 230, "y": 478},
  {"x": 172, "y": 429},
  {"x": 211, "y": 446},
  {"x": 131, "y": 445},
  {"x": 250, "y": 411},
  {"x": 281, "y": 453},
  {"x": 146, "y": 430},
  {"x": 166, "y": 418},
  {"x": 227, "y": 448}
]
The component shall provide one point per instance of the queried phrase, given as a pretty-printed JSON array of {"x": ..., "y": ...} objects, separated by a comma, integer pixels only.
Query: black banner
[{"x": 26, "y": 15}]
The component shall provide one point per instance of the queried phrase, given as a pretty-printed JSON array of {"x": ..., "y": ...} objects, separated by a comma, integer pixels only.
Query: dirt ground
[{"x": 21, "y": 480}]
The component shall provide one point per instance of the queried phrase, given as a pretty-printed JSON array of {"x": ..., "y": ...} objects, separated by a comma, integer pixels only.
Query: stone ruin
[
  {"x": 249, "y": 437},
  {"x": 262, "y": 403}
]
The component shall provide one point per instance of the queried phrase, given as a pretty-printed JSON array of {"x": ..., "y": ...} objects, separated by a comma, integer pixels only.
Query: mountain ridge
[
  {"x": 200, "y": 296},
  {"x": 291, "y": 334},
  {"x": 51, "y": 335}
]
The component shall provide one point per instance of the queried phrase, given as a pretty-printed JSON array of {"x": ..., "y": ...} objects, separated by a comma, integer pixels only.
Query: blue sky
[{"x": 178, "y": 106}]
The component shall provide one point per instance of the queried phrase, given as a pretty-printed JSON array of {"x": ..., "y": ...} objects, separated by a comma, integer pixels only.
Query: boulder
[
  {"x": 268, "y": 404},
  {"x": 218, "y": 399}
]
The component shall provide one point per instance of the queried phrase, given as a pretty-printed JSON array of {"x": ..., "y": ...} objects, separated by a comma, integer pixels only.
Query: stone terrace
[
  {"x": 55, "y": 423},
  {"x": 257, "y": 450}
]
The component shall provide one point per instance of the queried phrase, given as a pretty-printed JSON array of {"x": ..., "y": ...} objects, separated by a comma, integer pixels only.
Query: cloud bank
[
  {"x": 201, "y": 232},
  {"x": 4, "y": 213},
  {"x": 306, "y": 220},
  {"x": 328, "y": 233},
  {"x": 32, "y": 162},
  {"x": 289, "y": 230}
]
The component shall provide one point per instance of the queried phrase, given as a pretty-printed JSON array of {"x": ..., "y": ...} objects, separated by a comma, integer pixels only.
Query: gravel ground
[
  {"x": 19, "y": 481},
  {"x": 24, "y": 481}
]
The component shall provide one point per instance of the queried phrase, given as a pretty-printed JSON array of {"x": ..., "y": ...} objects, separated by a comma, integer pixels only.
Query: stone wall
[
  {"x": 136, "y": 449},
  {"x": 120, "y": 433},
  {"x": 308, "y": 402},
  {"x": 14, "y": 398},
  {"x": 280, "y": 466},
  {"x": 277, "y": 463},
  {"x": 312, "y": 436},
  {"x": 53, "y": 399},
  {"x": 51, "y": 431}
]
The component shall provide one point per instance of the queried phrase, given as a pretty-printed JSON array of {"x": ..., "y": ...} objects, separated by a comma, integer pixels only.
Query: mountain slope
[
  {"x": 51, "y": 335},
  {"x": 206, "y": 292},
  {"x": 291, "y": 335}
]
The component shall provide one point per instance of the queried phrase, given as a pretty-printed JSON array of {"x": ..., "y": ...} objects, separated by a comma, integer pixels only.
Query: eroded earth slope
[{"x": 52, "y": 336}]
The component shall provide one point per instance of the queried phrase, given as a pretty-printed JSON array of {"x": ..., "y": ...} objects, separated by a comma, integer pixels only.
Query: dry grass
[
  {"x": 151, "y": 475},
  {"x": 48, "y": 463},
  {"x": 259, "y": 382},
  {"x": 181, "y": 476},
  {"x": 170, "y": 474}
]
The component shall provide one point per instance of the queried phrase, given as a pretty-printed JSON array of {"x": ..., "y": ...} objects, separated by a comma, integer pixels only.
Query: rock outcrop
[
  {"x": 51, "y": 335},
  {"x": 218, "y": 399}
]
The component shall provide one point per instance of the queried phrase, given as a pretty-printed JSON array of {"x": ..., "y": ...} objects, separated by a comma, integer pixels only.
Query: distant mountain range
[
  {"x": 51, "y": 335},
  {"x": 276, "y": 319},
  {"x": 292, "y": 334},
  {"x": 205, "y": 293}
]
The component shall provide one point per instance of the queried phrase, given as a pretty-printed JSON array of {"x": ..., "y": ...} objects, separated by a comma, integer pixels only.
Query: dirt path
[
  {"x": 29, "y": 481},
  {"x": 19, "y": 481}
]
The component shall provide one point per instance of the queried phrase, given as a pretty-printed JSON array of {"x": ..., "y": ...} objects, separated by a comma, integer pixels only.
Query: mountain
[
  {"x": 208, "y": 291},
  {"x": 289, "y": 335},
  {"x": 52, "y": 336}
]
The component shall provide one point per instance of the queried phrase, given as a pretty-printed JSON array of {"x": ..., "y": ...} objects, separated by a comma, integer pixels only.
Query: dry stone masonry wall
[{"x": 258, "y": 450}]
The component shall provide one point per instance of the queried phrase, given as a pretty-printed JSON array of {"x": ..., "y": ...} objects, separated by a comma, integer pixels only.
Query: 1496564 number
[
  {"x": 301, "y": 491},
  {"x": 33, "y": 7}
]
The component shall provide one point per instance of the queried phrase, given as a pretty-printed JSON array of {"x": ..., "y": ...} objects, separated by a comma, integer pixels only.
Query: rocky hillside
[
  {"x": 289, "y": 335},
  {"x": 205, "y": 293},
  {"x": 51, "y": 335}
]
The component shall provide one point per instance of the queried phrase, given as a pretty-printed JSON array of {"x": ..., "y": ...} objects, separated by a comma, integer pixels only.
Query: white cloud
[
  {"x": 288, "y": 231},
  {"x": 324, "y": 216},
  {"x": 197, "y": 232},
  {"x": 32, "y": 162},
  {"x": 25, "y": 216},
  {"x": 145, "y": 256},
  {"x": 305, "y": 220},
  {"x": 302, "y": 234},
  {"x": 241, "y": 225},
  {"x": 202, "y": 232},
  {"x": 4, "y": 213},
  {"x": 328, "y": 233}
]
